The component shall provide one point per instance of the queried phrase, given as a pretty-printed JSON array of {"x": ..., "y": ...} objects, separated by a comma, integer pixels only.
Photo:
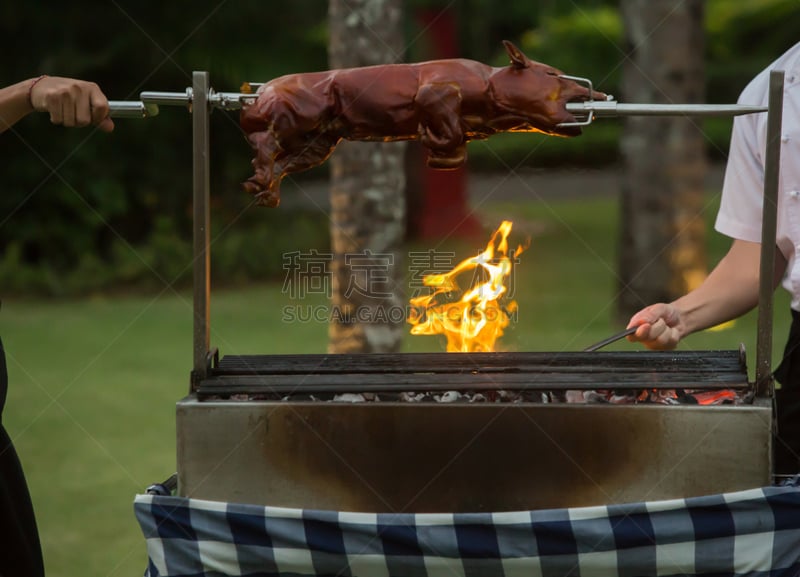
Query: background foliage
[
  {"x": 84, "y": 211},
  {"x": 94, "y": 380}
]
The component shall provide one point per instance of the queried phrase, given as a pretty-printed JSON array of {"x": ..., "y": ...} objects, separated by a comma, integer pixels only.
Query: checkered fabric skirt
[{"x": 755, "y": 532}]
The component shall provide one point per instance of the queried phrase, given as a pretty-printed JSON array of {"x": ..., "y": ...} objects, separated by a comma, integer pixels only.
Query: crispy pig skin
[{"x": 296, "y": 121}]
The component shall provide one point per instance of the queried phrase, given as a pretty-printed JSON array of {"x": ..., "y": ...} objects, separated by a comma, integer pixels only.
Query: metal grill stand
[{"x": 423, "y": 457}]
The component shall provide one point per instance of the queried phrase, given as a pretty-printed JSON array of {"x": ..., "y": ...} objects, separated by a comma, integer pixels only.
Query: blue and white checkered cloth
[{"x": 755, "y": 532}]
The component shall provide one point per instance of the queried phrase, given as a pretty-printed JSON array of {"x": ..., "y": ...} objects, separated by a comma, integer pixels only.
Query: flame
[{"x": 476, "y": 320}]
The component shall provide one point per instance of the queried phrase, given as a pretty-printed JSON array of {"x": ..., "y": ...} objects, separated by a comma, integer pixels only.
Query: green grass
[{"x": 94, "y": 382}]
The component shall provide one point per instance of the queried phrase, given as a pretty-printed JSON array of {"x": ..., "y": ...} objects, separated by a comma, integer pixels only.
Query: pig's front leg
[{"x": 439, "y": 106}]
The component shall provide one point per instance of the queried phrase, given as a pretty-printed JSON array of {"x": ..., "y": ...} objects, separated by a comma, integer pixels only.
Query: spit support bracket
[
  {"x": 765, "y": 384},
  {"x": 200, "y": 100}
]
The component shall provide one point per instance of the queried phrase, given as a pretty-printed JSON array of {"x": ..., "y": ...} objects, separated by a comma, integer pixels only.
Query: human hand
[
  {"x": 71, "y": 102},
  {"x": 660, "y": 327}
]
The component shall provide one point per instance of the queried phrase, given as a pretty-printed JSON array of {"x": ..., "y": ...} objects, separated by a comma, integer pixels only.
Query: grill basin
[{"x": 428, "y": 457}]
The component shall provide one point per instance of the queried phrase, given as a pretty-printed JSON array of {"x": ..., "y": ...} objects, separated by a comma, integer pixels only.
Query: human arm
[
  {"x": 729, "y": 291},
  {"x": 69, "y": 102}
]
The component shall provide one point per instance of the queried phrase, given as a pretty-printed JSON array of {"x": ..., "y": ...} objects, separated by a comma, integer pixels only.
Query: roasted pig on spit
[{"x": 296, "y": 121}]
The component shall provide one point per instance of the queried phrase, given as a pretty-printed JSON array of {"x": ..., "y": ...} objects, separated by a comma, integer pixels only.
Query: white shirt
[{"x": 740, "y": 213}]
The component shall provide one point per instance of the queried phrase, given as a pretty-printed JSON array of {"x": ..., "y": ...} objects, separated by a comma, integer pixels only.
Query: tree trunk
[
  {"x": 662, "y": 250},
  {"x": 367, "y": 200}
]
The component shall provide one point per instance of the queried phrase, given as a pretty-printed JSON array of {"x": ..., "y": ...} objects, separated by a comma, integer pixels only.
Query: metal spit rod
[
  {"x": 588, "y": 111},
  {"x": 150, "y": 101},
  {"x": 585, "y": 111},
  {"x": 131, "y": 109}
]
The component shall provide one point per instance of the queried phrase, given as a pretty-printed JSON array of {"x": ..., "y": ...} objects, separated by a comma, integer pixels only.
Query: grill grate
[{"x": 358, "y": 373}]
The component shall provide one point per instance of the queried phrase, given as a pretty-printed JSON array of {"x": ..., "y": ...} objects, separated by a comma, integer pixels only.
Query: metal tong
[
  {"x": 586, "y": 112},
  {"x": 611, "y": 339}
]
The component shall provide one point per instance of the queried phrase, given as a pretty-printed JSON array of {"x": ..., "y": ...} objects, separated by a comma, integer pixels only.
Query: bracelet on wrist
[{"x": 30, "y": 88}]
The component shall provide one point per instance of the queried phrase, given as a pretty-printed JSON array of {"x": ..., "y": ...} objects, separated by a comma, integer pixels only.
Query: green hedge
[{"x": 250, "y": 250}]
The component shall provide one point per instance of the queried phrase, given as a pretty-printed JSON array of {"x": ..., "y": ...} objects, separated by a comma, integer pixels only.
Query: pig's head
[{"x": 537, "y": 93}]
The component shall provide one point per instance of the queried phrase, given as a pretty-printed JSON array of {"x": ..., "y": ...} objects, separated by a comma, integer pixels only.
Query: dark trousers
[
  {"x": 20, "y": 551},
  {"x": 787, "y": 403}
]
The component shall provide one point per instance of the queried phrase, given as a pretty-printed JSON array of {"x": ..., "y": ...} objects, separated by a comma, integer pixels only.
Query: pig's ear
[{"x": 518, "y": 59}]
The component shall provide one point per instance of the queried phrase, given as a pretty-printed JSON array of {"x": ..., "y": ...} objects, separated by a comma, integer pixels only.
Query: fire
[{"x": 473, "y": 322}]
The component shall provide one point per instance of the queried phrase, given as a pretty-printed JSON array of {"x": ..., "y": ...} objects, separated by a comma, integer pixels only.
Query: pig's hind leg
[{"x": 263, "y": 184}]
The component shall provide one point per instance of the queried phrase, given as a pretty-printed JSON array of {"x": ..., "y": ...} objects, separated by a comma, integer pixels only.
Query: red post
[{"x": 443, "y": 208}]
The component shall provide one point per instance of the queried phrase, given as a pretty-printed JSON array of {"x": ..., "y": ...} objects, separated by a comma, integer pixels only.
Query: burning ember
[
  {"x": 655, "y": 396},
  {"x": 581, "y": 397},
  {"x": 474, "y": 321}
]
